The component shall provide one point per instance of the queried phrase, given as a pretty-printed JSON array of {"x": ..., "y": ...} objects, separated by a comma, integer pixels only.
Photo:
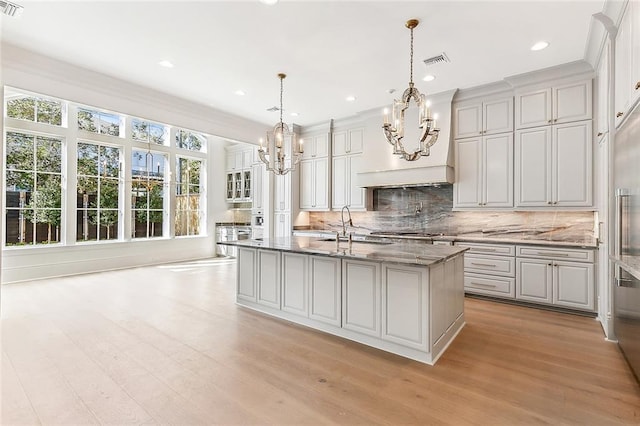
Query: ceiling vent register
[
  {"x": 10, "y": 9},
  {"x": 439, "y": 59}
]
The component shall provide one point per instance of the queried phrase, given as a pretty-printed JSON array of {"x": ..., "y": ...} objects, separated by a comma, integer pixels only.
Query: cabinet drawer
[
  {"x": 493, "y": 249},
  {"x": 555, "y": 253},
  {"x": 494, "y": 286},
  {"x": 490, "y": 264}
]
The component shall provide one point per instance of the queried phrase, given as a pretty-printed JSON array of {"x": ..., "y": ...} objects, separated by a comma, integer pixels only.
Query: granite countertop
[
  {"x": 365, "y": 248},
  {"x": 480, "y": 237},
  {"x": 630, "y": 264}
]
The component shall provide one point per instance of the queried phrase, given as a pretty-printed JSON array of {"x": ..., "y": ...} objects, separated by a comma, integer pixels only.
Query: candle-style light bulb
[
  {"x": 386, "y": 115},
  {"x": 301, "y": 146}
]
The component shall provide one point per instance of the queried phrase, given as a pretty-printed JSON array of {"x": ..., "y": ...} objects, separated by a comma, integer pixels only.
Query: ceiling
[{"x": 328, "y": 49}]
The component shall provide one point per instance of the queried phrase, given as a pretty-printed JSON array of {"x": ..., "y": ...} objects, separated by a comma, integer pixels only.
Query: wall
[
  {"x": 429, "y": 209},
  {"x": 26, "y": 70}
]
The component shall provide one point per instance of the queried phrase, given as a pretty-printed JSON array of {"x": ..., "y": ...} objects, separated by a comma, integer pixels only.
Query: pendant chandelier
[
  {"x": 280, "y": 142},
  {"x": 394, "y": 129}
]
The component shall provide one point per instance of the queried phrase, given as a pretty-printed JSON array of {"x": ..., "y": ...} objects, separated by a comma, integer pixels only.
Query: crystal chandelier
[
  {"x": 280, "y": 140},
  {"x": 394, "y": 130}
]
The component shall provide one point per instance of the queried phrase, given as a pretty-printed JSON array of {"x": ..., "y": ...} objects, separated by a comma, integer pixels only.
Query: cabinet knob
[
  {"x": 480, "y": 132},
  {"x": 555, "y": 202},
  {"x": 548, "y": 202},
  {"x": 638, "y": 85},
  {"x": 479, "y": 204},
  {"x": 619, "y": 114},
  {"x": 555, "y": 120},
  {"x": 548, "y": 264},
  {"x": 550, "y": 121},
  {"x": 600, "y": 133}
]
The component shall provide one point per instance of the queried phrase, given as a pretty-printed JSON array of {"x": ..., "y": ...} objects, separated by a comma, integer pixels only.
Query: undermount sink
[{"x": 358, "y": 240}]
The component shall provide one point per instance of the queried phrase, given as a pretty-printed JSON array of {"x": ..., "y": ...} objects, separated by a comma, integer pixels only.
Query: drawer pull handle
[
  {"x": 483, "y": 264},
  {"x": 482, "y": 249},
  {"x": 619, "y": 114},
  {"x": 553, "y": 254},
  {"x": 483, "y": 285}
]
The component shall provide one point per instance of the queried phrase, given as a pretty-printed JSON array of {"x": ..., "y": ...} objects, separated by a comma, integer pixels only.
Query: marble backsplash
[{"x": 429, "y": 209}]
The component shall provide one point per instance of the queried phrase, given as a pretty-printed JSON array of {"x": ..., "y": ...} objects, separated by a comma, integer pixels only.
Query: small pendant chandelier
[
  {"x": 394, "y": 130},
  {"x": 280, "y": 140}
]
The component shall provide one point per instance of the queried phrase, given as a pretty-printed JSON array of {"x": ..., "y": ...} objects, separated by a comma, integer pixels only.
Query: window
[
  {"x": 145, "y": 131},
  {"x": 190, "y": 140},
  {"x": 99, "y": 122},
  {"x": 34, "y": 193},
  {"x": 188, "y": 196},
  {"x": 98, "y": 192},
  {"x": 32, "y": 108},
  {"x": 147, "y": 194}
]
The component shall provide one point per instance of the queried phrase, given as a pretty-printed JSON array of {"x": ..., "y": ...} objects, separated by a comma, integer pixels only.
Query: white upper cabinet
[
  {"x": 603, "y": 93},
  {"x": 314, "y": 184},
  {"x": 484, "y": 172},
  {"x": 553, "y": 166},
  {"x": 554, "y": 105},
  {"x": 483, "y": 118},
  {"x": 345, "y": 192},
  {"x": 627, "y": 62},
  {"x": 348, "y": 142},
  {"x": 316, "y": 146}
]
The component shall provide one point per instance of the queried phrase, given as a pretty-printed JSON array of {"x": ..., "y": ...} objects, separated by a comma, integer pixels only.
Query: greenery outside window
[
  {"x": 99, "y": 122},
  {"x": 191, "y": 141},
  {"x": 188, "y": 196},
  {"x": 33, "y": 189},
  {"x": 34, "y": 108},
  {"x": 148, "y": 132},
  {"x": 147, "y": 194},
  {"x": 98, "y": 194}
]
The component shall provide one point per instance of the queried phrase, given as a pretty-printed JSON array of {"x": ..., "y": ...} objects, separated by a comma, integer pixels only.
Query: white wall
[{"x": 36, "y": 73}]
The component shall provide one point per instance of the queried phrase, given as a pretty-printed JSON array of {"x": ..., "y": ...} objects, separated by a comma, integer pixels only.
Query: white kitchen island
[{"x": 404, "y": 298}]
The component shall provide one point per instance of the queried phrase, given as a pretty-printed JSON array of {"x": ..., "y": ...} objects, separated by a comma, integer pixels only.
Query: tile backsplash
[{"x": 429, "y": 209}]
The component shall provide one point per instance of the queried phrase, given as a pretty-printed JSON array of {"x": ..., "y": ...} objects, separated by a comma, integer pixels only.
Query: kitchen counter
[
  {"x": 363, "y": 248},
  {"x": 480, "y": 237},
  {"x": 401, "y": 297},
  {"x": 629, "y": 263}
]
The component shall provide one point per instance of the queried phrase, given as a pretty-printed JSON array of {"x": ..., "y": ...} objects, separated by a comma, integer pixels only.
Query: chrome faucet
[{"x": 344, "y": 227}]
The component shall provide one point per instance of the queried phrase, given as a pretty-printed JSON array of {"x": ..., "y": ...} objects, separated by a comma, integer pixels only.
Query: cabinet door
[
  {"x": 307, "y": 187},
  {"x": 623, "y": 66},
  {"x": 361, "y": 297},
  {"x": 497, "y": 161},
  {"x": 533, "y": 167},
  {"x": 325, "y": 282},
  {"x": 231, "y": 161},
  {"x": 356, "y": 194},
  {"x": 247, "y": 184},
  {"x": 572, "y": 102},
  {"x": 468, "y": 171},
  {"x": 321, "y": 145},
  {"x": 533, "y": 108},
  {"x": 247, "y": 274},
  {"x": 230, "y": 189},
  {"x": 340, "y": 182},
  {"x": 321, "y": 183},
  {"x": 534, "y": 280},
  {"x": 269, "y": 278},
  {"x": 247, "y": 158},
  {"x": 295, "y": 283},
  {"x": 340, "y": 143},
  {"x": 603, "y": 92},
  {"x": 572, "y": 164},
  {"x": 282, "y": 192},
  {"x": 405, "y": 306},
  {"x": 282, "y": 224},
  {"x": 237, "y": 182},
  {"x": 467, "y": 120},
  {"x": 573, "y": 285},
  {"x": 356, "y": 141},
  {"x": 497, "y": 116},
  {"x": 257, "y": 173},
  {"x": 634, "y": 88}
]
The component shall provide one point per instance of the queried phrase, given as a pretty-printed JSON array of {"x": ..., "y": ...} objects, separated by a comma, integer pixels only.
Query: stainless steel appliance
[
  {"x": 231, "y": 233},
  {"x": 627, "y": 240}
]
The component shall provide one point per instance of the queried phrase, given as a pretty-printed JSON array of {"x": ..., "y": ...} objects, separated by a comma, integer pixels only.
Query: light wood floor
[{"x": 168, "y": 345}]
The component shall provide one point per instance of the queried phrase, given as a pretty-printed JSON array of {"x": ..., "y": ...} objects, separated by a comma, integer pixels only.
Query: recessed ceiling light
[
  {"x": 350, "y": 98},
  {"x": 294, "y": 114},
  {"x": 269, "y": 2},
  {"x": 165, "y": 63},
  {"x": 540, "y": 45},
  {"x": 429, "y": 77},
  {"x": 240, "y": 92}
]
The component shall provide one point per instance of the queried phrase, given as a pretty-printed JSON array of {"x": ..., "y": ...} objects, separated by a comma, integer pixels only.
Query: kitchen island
[{"x": 404, "y": 298}]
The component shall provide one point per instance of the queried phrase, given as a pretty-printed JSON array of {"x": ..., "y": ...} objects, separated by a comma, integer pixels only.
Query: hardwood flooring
[{"x": 167, "y": 344}]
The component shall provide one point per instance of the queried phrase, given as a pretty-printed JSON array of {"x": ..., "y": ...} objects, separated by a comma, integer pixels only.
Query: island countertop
[{"x": 379, "y": 250}]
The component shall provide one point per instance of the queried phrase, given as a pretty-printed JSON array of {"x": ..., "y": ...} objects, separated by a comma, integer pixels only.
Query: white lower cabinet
[
  {"x": 325, "y": 290},
  {"x": 295, "y": 283},
  {"x": 489, "y": 269},
  {"x": 405, "y": 312},
  {"x": 361, "y": 296},
  {"x": 562, "y": 277},
  {"x": 269, "y": 278},
  {"x": 247, "y": 274}
]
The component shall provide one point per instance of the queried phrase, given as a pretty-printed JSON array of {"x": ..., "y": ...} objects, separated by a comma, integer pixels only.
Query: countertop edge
[{"x": 630, "y": 264}]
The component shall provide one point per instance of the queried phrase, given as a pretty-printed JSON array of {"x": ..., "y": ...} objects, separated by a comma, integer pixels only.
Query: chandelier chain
[
  {"x": 411, "y": 61},
  {"x": 281, "y": 90}
]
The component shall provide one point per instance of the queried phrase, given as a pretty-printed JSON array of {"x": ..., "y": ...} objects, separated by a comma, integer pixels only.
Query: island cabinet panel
[
  {"x": 326, "y": 291},
  {"x": 405, "y": 292},
  {"x": 247, "y": 274},
  {"x": 269, "y": 278},
  {"x": 295, "y": 283},
  {"x": 361, "y": 296}
]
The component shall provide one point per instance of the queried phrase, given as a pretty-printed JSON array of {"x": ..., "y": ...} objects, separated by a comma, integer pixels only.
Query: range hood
[{"x": 380, "y": 168}]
